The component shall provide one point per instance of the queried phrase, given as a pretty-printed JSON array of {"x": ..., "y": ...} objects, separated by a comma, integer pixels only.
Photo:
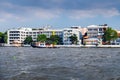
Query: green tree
[
  {"x": 5, "y": 37},
  {"x": 28, "y": 40},
  {"x": 73, "y": 38},
  {"x": 109, "y": 35},
  {"x": 42, "y": 38},
  {"x": 1, "y": 37},
  {"x": 55, "y": 39}
]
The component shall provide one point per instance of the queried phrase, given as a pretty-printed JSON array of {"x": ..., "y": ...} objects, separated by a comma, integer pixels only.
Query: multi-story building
[
  {"x": 19, "y": 35},
  {"x": 95, "y": 33},
  {"x": 69, "y": 32},
  {"x": 50, "y": 32}
]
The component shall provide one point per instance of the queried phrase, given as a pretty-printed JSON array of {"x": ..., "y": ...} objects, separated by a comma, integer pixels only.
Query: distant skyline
[{"x": 58, "y": 13}]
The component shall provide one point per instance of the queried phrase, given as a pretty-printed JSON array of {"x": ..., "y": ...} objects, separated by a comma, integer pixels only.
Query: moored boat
[{"x": 42, "y": 45}]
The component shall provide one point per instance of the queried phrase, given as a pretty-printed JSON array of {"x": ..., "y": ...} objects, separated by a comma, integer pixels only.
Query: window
[
  {"x": 100, "y": 29},
  {"x": 95, "y": 29},
  {"x": 34, "y": 32},
  {"x": 69, "y": 30},
  {"x": 89, "y": 29},
  {"x": 30, "y": 32}
]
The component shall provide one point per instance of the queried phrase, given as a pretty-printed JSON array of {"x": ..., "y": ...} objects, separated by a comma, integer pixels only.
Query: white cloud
[
  {"x": 109, "y": 12},
  {"x": 6, "y": 16},
  {"x": 78, "y": 14},
  {"x": 7, "y": 4},
  {"x": 44, "y": 13},
  {"x": 24, "y": 13}
]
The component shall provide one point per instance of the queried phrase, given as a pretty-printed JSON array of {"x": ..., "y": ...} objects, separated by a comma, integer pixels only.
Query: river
[{"x": 27, "y": 63}]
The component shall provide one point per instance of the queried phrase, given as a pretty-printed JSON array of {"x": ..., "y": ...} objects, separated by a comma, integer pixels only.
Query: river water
[{"x": 27, "y": 63}]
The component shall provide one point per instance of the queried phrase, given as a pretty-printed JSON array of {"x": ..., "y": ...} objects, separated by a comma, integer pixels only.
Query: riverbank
[
  {"x": 88, "y": 46},
  {"x": 71, "y": 46}
]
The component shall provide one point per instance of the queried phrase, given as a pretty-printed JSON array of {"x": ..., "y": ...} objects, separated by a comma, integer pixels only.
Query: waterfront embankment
[
  {"x": 70, "y": 46},
  {"x": 88, "y": 46}
]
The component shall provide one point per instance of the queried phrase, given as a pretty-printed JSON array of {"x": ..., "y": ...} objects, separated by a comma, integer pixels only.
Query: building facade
[
  {"x": 20, "y": 34},
  {"x": 95, "y": 32},
  {"x": 17, "y": 35},
  {"x": 69, "y": 32}
]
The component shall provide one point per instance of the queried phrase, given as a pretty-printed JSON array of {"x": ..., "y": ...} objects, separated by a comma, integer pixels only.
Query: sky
[{"x": 58, "y": 13}]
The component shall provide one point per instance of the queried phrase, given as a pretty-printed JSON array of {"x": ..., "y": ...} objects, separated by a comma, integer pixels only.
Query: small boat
[
  {"x": 16, "y": 43},
  {"x": 42, "y": 45}
]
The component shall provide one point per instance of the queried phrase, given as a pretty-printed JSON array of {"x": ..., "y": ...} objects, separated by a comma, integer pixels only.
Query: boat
[
  {"x": 16, "y": 43},
  {"x": 42, "y": 45}
]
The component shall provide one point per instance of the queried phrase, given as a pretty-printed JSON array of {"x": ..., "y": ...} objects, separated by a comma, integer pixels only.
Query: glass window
[{"x": 100, "y": 29}]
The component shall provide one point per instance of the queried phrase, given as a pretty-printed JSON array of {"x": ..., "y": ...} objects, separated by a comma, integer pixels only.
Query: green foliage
[
  {"x": 42, "y": 38},
  {"x": 109, "y": 35},
  {"x": 73, "y": 39},
  {"x": 1, "y": 37},
  {"x": 28, "y": 40},
  {"x": 5, "y": 37},
  {"x": 55, "y": 39}
]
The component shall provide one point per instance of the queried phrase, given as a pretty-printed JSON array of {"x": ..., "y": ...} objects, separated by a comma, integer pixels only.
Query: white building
[
  {"x": 69, "y": 32},
  {"x": 20, "y": 34},
  {"x": 95, "y": 31},
  {"x": 17, "y": 34},
  {"x": 50, "y": 32}
]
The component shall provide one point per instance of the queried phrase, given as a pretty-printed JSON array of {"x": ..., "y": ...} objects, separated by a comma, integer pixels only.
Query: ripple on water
[{"x": 59, "y": 64}]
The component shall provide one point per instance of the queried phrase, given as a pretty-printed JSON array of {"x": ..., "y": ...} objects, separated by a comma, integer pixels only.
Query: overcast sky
[{"x": 58, "y": 13}]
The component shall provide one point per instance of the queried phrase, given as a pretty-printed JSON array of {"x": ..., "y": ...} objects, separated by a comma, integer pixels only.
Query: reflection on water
[{"x": 59, "y": 64}]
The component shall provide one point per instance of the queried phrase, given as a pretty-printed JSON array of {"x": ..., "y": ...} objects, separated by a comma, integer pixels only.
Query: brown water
[{"x": 27, "y": 63}]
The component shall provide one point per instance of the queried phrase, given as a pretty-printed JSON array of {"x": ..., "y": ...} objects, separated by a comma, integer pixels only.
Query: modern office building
[
  {"x": 19, "y": 35},
  {"x": 50, "y": 32}
]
